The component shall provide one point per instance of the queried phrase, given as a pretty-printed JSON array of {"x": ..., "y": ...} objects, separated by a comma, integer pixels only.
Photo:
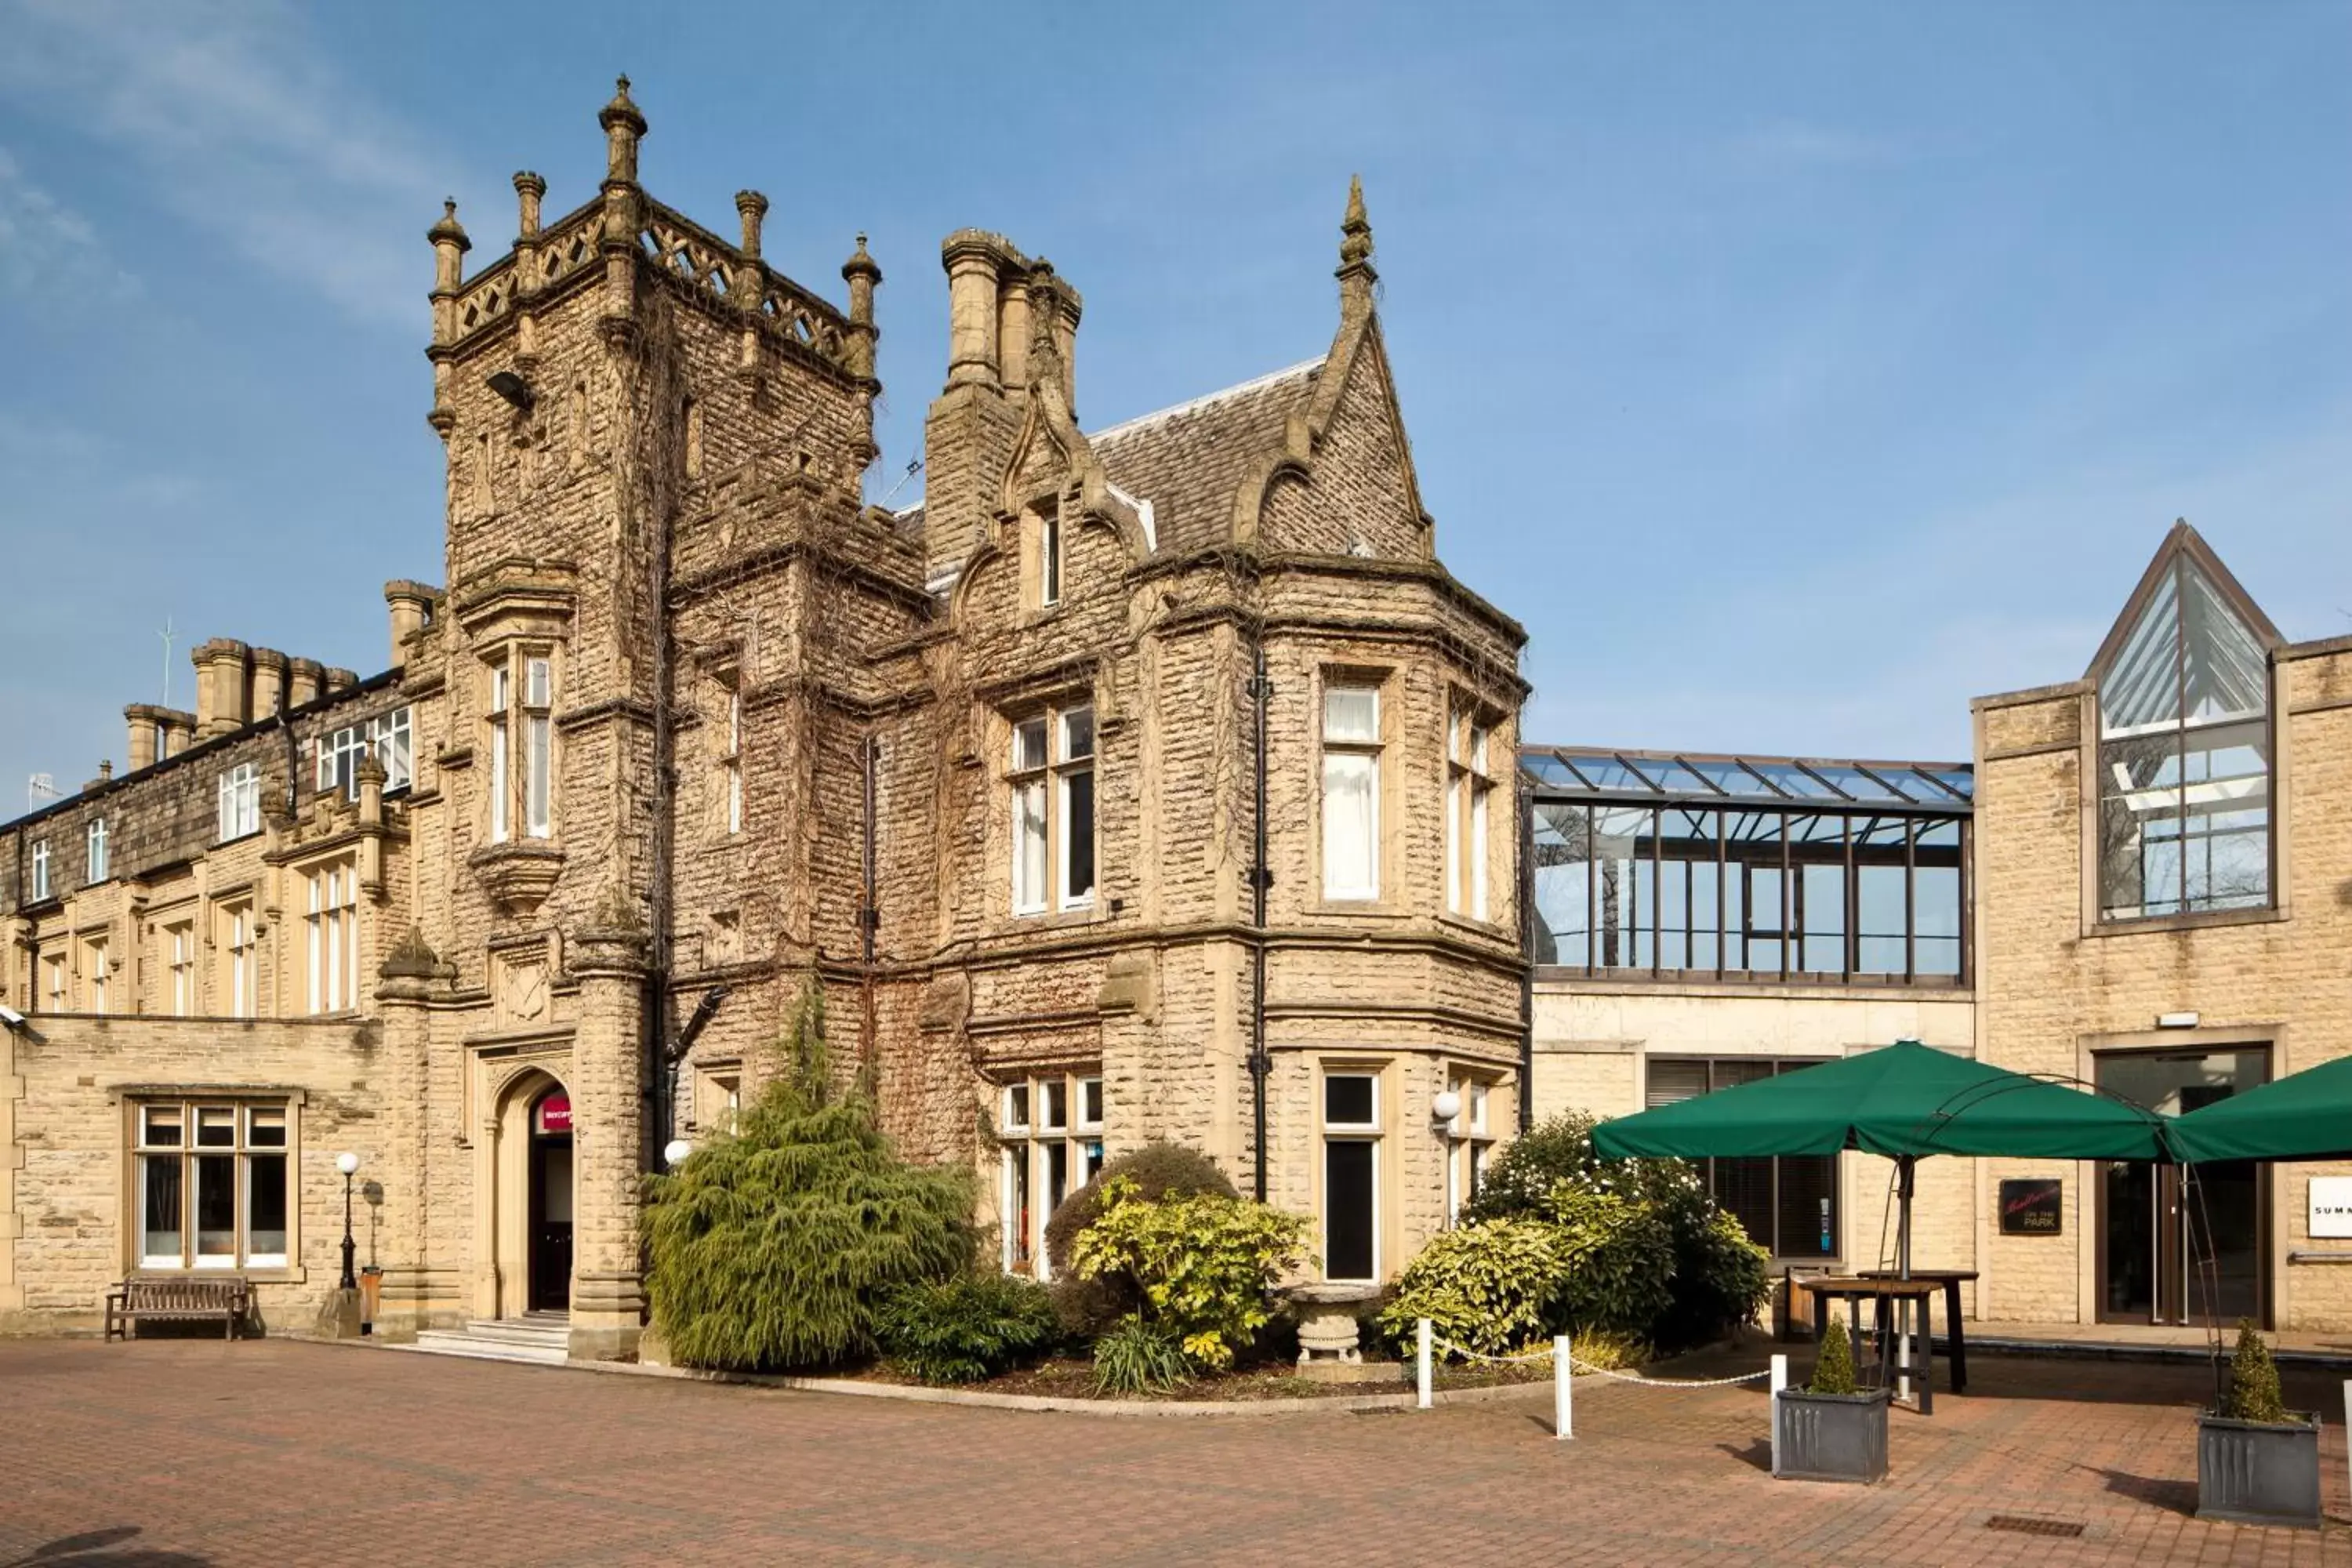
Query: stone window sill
[{"x": 2267, "y": 915}]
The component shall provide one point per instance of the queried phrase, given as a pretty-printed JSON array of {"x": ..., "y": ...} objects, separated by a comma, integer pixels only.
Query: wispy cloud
[
  {"x": 48, "y": 250},
  {"x": 231, "y": 114}
]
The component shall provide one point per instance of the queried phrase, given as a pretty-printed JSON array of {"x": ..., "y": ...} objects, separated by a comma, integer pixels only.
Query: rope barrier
[{"x": 1588, "y": 1370}]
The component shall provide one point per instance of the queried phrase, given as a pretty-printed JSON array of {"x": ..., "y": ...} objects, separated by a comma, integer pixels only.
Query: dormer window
[
  {"x": 95, "y": 857},
  {"x": 41, "y": 872},
  {"x": 2184, "y": 745}
]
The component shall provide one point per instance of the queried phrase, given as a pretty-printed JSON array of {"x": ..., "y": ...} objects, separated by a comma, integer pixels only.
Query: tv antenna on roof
[
  {"x": 41, "y": 787},
  {"x": 164, "y": 631}
]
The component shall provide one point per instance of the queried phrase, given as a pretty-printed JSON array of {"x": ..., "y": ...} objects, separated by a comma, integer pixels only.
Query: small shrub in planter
[
  {"x": 2257, "y": 1461},
  {"x": 1831, "y": 1430},
  {"x": 968, "y": 1328}
]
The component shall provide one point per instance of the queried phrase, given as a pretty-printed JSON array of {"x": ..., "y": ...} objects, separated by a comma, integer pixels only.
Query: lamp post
[{"x": 348, "y": 1163}]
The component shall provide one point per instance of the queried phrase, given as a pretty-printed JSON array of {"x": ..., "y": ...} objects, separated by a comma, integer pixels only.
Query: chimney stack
[
  {"x": 268, "y": 684},
  {"x": 145, "y": 722},
  {"x": 411, "y": 610},
  {"x": 302, "y": 677},
  {"x": 223, "y": 697}
]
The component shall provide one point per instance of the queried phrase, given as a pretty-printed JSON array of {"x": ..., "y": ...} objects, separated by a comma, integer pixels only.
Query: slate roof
[{"x": 1188, "y": 460}]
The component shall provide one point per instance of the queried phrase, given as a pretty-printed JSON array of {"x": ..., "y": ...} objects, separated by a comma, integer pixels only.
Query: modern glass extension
[
  {"x": 1682, "y": 866},
  {"x": 2185, "y": 744}
]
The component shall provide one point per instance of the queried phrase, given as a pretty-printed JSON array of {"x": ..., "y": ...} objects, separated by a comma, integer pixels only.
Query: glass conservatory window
[{"x": 2185, "y": 757}]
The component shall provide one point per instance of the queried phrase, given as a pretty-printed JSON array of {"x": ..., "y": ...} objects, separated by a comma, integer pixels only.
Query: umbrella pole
[{"x": 1905, "y": 1166}]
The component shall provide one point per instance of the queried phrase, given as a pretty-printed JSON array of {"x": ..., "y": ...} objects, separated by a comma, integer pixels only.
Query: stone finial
[
  {"x": 861, "y": 274},
  {"x": 1356, "y": 246},
  {"x": 450, "y": 231},
  {"x": 753, "y": 209},
  {"x": 624, "y": 127},
  {"x": 413, "y": 959},
  {"x": 861, "y": 264},
  {"x": 529, "y": 189}
]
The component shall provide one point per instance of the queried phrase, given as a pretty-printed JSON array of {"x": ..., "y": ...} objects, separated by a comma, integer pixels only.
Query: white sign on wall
[{"x": 2331, "y": 1207}]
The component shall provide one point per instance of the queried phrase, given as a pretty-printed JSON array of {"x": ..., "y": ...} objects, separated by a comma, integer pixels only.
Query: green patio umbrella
[
  {"x": 1902, "y": 1101},
  {"x": 2304, "y": 1116}
]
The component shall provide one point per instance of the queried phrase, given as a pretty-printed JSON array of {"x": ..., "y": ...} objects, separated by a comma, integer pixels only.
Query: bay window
[
  {"x": 1351, "y": 792},
  {"x": 521, "y": 735},
  {"x": 212, "y": 1185}
]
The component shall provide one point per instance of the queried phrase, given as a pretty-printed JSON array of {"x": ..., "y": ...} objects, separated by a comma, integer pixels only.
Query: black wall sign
[{"x": 2035, "y": 1207}]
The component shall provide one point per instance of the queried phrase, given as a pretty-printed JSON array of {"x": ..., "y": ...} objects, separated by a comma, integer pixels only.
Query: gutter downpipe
[
  {"x": 1261, "y": 691},
  {"x": 1526, "y": 894}
]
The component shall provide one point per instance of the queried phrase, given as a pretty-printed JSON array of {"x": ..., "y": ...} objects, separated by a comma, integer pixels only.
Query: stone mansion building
[{"x": 1140, "y": 782}]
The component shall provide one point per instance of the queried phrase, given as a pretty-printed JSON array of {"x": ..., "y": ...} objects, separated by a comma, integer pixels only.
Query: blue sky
[{"x": 1794, "y": 373}]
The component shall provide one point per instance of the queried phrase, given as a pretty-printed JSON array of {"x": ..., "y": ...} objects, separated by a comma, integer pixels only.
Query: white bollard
[
  {"x": 1423, "y": 1333},
  {"x": 1780, "y": 1381},
  {"x": 1563, "y": 1377}
]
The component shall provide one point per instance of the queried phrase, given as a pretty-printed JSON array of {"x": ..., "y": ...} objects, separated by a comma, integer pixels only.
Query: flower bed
[{"x": 1068, "y": 1378}]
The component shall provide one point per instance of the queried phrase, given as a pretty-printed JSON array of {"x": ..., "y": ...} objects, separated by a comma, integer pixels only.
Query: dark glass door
[
  {"x": 2182, "y": 1246},
  {"x": 551, "y": 1224}
]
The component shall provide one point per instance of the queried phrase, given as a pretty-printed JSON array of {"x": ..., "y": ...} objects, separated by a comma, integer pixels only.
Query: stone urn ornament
[{"x": 1327, "y": 1347}]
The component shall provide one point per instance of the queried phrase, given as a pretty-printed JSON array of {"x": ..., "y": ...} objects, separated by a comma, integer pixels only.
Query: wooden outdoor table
[
  {"x": 1883, "y": 1290},
  {"x": 1953, "y": 1331}
]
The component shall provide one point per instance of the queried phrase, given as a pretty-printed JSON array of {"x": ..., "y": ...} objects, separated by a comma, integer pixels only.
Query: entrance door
[
  {"x": 2183, "y": 1246},
  {"x": 551, "y": 1204}
]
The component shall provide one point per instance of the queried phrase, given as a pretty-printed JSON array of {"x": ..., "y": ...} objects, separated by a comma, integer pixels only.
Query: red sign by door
[{"x": 555, "y": 1113}]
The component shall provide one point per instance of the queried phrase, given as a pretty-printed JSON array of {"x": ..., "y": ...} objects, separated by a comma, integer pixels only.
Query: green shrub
[
  {"x": 1158, "y": 1169},
  {"x": 1202, "y": 1264},
  {"x": 971, "y": 1327},
  {"x": 1133, "y": 1360},
  {"x": 2253, "y": 1378},
  {"x": 1488, "y": 1288},
  {"x": 775, "y": 1246},
  {"x": 1610, "y": 1350},
  {"x": 1089, "y": 1307},
  {"x": 1714, "y": 1278},
  {"x": 1620, "y": 1264},
  {"x": 1833, "y": 1372}
]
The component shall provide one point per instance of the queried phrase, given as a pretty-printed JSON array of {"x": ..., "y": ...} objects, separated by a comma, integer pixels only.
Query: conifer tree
[{"x": 774, "y": 1245}]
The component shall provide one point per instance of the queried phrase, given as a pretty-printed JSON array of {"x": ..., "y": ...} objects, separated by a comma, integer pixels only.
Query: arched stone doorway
[{"x": 528, "y": 1217}]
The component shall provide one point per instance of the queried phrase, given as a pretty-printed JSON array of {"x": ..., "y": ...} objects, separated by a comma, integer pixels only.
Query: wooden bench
[{"x": 180, "y": 1299}]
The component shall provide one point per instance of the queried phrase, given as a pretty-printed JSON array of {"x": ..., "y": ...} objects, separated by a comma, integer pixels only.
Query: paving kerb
[{"x": 921, "y": 1393}]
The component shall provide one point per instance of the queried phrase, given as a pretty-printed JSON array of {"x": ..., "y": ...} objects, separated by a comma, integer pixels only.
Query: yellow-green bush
[{"x": 1202, "y": 1265}]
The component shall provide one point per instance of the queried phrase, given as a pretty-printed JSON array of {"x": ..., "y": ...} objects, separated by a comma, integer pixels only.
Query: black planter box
[
  {"x": 1832, "y": 1436},
  {"x": 2258, "y": 1472}
]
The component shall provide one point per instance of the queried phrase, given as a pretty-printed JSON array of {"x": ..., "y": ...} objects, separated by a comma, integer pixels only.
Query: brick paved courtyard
[{"x": 171, "y": 1453}]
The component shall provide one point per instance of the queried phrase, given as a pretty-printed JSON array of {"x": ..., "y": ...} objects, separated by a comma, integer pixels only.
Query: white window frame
[
  {"x": 95, "y": 972},
  {"x": 180, "y": 946},
  {"x": 55, "y": 968},
  {"x": 1027, "y": 1140},
  {"x": 1469, "y": 793},
  {"x": 338, "y": 760},
  {"x": 1469, "y": 1143},
  {"x": 249, "y": 1125},
  {"x": 332, "y": 927},
  {"x": 244, "y": 972},
  {"x": 501, "y": 786},
  {"x": 1342, "y": 747},
  {"x": 94, "y": 858},
  {"x": 538, "y": 746},
  {"x": 393, "y": 737},
  {"x": 732, "y": 760},
  {"x": 1042, "y": 784},
  {"x": 240, "y": 802},
  {"x": 1049, "y": 558},
  {"x": 41, "y": 872},
  {"x": 1372, "y": 1133}
]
